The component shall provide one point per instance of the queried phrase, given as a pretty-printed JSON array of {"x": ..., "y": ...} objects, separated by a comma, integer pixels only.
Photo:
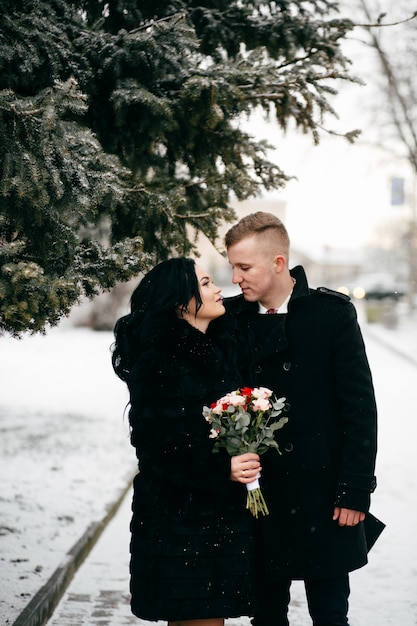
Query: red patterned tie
[{"x": 271, "y": 311}]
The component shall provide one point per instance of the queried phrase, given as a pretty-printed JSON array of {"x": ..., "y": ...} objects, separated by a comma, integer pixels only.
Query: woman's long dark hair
[{"x": 163, "y": 291}]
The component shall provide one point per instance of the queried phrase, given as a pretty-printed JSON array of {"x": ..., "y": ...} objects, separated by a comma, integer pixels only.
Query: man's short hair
[{"x": 259, "y": 223}]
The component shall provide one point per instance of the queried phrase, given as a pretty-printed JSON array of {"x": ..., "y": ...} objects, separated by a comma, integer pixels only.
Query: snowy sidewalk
[{"x": 66, "y": 457}]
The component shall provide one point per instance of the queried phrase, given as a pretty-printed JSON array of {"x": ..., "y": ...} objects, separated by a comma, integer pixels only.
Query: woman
[{"x": 190, "y": 545}]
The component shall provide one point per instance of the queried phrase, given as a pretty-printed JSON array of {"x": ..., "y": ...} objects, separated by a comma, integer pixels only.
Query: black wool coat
[{"x": 315, "y": 357}]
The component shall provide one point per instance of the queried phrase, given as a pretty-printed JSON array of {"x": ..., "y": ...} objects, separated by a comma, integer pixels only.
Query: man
[{"x": 318, "y": 490}]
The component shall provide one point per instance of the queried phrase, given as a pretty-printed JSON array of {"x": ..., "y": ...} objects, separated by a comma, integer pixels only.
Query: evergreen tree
[{"x": 119, "y": 134}]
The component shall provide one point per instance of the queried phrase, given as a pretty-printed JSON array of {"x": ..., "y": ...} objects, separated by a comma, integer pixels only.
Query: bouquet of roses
[{"x": 241, "y": 422}]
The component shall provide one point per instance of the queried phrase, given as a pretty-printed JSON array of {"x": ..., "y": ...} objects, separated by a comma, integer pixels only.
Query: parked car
[{"x": 375, "y": 286}]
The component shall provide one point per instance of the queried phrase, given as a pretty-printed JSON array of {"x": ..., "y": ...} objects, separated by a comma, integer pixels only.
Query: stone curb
[{"x": 43, "y": 603}]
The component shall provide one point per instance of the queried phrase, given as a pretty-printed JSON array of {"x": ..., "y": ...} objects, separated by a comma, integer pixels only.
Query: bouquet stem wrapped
[
  {"x": 244, "y": 421},
  {"x": 255, "y": 500}
]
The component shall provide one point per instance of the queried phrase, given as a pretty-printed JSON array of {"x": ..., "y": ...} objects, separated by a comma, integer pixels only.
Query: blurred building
[{"x": 331, "y": 267}]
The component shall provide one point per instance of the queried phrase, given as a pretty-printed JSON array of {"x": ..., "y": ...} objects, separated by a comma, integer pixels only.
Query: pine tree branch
[
  {"x": 350, "y": 135},
  {"x": 189, "y": 216},
  {"x": 174, "y": 18},
  {"x": 293, "y": 83},
  {"x": 12, "y": 108}
]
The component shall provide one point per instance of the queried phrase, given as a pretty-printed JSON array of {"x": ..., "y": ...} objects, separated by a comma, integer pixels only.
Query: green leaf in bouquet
[
  {"x": 278, "y": 405},
  {"x": 234, "y": 442},
  {"x": 279, "y": 424},
  {"x": 263, "y": 447},
  {"x": 267, "y": 432},
  {"x": 242, "y": 421}
]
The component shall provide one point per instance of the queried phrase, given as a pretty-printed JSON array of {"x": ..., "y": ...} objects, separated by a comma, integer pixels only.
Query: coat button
[
  {"x": 289, "y": 447},
  {"x": 286, "y": 366},
  {"x": 286, "y": 407},
  {"x": 258, "y": 369}
]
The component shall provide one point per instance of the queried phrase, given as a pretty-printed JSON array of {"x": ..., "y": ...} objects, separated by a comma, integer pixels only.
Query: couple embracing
[{"x": 198, "y": 556}]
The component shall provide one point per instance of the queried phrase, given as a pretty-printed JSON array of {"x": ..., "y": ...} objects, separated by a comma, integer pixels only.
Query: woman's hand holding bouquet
[{"x": 243, "y": 423}]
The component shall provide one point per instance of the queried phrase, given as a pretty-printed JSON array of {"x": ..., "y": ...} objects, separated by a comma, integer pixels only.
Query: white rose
[
  {"x": 261, "y": 392},
  {"x": 261, "y": 404},
  {"x": 235, "y": 399}
]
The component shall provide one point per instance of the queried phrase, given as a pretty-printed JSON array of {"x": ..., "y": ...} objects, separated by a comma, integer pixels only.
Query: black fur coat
[{"x": 191, "y": 542}]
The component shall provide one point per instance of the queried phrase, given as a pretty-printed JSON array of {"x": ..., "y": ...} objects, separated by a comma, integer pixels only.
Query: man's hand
[{"x": 347, "y": 517}]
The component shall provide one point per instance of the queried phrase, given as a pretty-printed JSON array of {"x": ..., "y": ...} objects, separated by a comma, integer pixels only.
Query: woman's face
[{"x": 212, "y": 302}]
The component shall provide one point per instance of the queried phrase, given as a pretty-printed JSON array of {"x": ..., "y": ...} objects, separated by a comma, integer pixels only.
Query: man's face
[{"x": 254, "y": 270}]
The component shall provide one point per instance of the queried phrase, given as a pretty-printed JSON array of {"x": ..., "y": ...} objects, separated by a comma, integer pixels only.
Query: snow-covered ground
[
  {"x": 64, "y": 452},
  {"x": 65, "y": 455}
]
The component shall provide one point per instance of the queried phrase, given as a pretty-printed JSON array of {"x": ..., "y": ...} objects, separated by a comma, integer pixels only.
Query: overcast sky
[{"x": 342, "y": 191}]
